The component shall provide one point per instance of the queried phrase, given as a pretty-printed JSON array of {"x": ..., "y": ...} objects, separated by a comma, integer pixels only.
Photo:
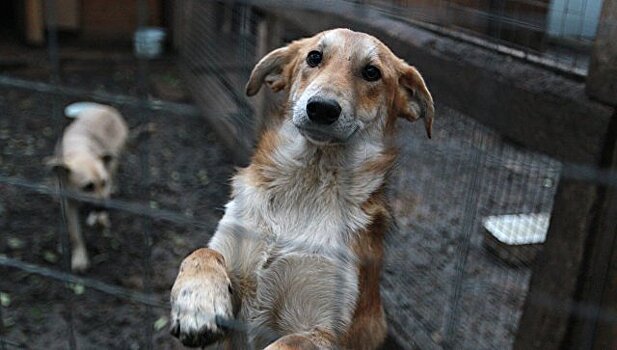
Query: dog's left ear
[{"x": 416, "y": 101}]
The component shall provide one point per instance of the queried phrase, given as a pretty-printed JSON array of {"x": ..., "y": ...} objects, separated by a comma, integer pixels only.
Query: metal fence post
[
  {"x": 598, "y": 282},
  {"x": 602, "y": 79},
  {"x": 553, "y": 285}
]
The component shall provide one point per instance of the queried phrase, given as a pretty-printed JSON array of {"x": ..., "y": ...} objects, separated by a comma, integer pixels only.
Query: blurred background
[{"x": 506, "y": 218}]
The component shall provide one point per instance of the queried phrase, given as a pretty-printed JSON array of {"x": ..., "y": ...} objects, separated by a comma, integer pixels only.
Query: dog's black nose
[{"x": 322, "y": 110}]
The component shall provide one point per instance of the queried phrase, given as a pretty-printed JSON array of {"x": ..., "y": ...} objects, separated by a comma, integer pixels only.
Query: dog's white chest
[{"x": 303, "y": 215}]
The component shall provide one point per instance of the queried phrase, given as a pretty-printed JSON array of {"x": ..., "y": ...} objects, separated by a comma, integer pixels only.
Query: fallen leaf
[
  {"x": 160, "y": 323},
  {"x": 15, "y": 243},
  {"x": 5, "y": 299}
]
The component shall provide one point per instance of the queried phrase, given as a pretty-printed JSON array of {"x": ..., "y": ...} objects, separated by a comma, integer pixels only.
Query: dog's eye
[
  {"x": 371, "y": 73},
  {"x": 314, "y": 58},
  {"x": 89, "y": 187}
]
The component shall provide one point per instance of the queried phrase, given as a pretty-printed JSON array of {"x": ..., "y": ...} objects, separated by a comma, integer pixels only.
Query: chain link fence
[{"x": 472, "y": 207}]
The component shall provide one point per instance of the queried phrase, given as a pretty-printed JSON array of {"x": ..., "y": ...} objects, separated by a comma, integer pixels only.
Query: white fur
[
  {"x": 79, "y": 258},
  {"x": 196, "y": 307},
  {"x": 290, "y": 221}
]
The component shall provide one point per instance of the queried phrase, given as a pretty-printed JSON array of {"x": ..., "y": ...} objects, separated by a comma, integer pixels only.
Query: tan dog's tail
[{"x": 75, "y": 109}]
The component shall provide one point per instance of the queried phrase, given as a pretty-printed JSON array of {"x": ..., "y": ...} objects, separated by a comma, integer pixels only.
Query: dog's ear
[
  {"x": 57, "y": 165},
  {"x": 415, "y": 100},
  {"x": 269, "y": 70}
]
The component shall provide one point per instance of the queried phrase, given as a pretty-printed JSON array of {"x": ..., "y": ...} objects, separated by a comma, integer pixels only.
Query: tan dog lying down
[
  {"x": 87, "y": 158},
  {"x": 296, "y": 258}
]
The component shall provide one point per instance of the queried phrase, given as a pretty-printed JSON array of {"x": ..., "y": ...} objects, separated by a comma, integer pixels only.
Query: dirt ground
[
  {"x": 189, "y": 175},
  {"x": 441, "y": 190}
]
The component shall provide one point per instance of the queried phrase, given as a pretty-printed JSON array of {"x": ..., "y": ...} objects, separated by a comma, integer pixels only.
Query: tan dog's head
[
  {"x": 84, "y": 172},
  {"x": 340, "y": 82}
]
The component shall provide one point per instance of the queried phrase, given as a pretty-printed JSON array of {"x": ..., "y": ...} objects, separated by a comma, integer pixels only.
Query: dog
[
  {"x": 295, "y": 261},
  {"x": 86, "y": 158}
]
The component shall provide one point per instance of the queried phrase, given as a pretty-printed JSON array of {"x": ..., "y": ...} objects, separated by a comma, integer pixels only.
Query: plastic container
[{"x": 148, "y": 42}]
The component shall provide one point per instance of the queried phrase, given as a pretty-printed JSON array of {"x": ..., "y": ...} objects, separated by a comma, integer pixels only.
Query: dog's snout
[{"x": 322, "y": 110}]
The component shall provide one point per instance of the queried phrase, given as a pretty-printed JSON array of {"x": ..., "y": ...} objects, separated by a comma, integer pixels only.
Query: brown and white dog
[
  {"x": 296, "y": 258},
  {"x": 86, "y": 157}
]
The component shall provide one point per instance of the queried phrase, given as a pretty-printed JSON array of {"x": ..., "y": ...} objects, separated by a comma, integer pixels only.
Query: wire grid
[
  {"x": 442, "y": 287},
  {"x": 555, "y": 33},
  {"x": 42, "y": 103},
  {"x": 222, "y": 70}
]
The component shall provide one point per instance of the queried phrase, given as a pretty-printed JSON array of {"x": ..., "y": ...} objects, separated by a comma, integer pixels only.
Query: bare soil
[{"x": 188, "y": 174}]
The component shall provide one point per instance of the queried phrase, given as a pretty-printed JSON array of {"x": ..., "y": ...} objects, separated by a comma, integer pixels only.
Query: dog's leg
[
  {"x": 212, "y": 282},
  {"x": 79, "y": 255},
  {"x": 201, "y": 298},
  {"x": 103, "y": 219}
]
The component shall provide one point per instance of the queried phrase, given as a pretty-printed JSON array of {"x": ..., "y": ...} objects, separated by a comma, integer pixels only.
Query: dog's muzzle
[{"x": 324, "y": 122}]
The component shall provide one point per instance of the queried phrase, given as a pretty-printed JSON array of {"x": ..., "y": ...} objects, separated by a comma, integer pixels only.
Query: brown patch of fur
[
  {"x": 398, "y": 104},
  {"x": 293, "y": 342},
  {"x": 314, "y": 340},
  {"x": 262, "y": 160},
  {"x": 370, "y": 98},
  {"x": 202, "y": 261},
  {"x": 381, "y": 165},
  {"x": 368, "y": 328}
]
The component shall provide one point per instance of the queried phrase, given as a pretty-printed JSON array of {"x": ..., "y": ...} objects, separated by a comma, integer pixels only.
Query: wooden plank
[
  {"x": 555, "y": 277},
  {"x": 34, "y": 22},
  {"x": 116, "y": 19},
  {"x": 605, "y": 336},
  {"x": 602, "y": 79},
  {"x": 597, "y": 328},
  {"x": 68, "y": 16}
]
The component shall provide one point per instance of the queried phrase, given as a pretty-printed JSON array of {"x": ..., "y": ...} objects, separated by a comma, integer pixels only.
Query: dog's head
[
  {"x": 84, "y": 172},
  {"x": 340, "y": 82}
]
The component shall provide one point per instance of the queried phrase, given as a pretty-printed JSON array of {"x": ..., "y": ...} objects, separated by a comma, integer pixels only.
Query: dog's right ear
[
  {"x": 57, "y": 165},
  {"x": 269, "y": 70}
]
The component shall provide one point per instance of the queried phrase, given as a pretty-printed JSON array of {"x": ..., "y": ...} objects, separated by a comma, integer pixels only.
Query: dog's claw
[{"x": 201, "y": 338}]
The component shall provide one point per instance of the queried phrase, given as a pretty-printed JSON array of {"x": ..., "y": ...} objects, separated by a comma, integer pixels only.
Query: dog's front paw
[
  {"x": 79, "y": 260},
  {"x": 201, "y": 302},
  {"x": 99, "y": 218}
]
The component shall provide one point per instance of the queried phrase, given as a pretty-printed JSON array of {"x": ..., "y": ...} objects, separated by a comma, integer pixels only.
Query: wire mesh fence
[
  {"x": 557, "y": 34},
  {"x": 450, "y": 280}
]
